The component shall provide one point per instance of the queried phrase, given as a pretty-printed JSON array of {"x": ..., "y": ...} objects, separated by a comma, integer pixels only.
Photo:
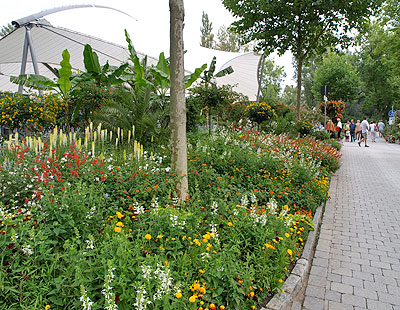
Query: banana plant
[
  {"x": 160, "y": 75},
  {"x": 62, "y": 86},
  {"x": 209, "y": 75}
]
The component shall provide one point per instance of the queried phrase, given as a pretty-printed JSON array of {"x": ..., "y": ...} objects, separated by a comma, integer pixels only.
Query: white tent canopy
[{"x": 49, "y": 42}]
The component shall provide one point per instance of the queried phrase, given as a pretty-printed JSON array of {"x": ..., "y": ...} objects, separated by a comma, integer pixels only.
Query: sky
[{"x": 148, "y": 29}]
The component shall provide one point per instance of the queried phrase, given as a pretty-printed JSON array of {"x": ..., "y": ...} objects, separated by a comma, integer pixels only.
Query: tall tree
[
  {"x": 271, "y": 82},
  {"x": 5, "y": 30},
  {"x": 337, "y": 72},
  {"x": 305, "y": 27},
  {"x": 378, "y": 66},
  {"x": 207, "y": 37},
  {"x": 178, "y": 103},
  {"x": 228, "y": 40}
]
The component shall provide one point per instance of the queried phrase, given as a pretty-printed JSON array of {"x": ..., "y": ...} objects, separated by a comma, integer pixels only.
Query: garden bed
[{"x": 102, "y": 227}]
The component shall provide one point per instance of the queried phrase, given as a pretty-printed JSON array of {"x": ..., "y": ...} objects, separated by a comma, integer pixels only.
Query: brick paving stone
[{"x": 357, "y": 259}]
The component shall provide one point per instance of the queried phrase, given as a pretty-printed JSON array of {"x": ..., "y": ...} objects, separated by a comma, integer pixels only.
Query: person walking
[
  {"x": 346, "y": 129},
  {"x": 373, "y": 129},
  {"x": 330, "y": 128},
  {"x": 364, "y": 132},
  {"x": 352, "y": 131},
  {"x": 339, "y": 128},
  {"x": 358, "y": 130},
  {"x": 381, "y": 126}
]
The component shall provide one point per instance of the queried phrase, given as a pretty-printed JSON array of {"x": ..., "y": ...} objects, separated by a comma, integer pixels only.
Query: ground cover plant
[{"x": 93, "y": 224}]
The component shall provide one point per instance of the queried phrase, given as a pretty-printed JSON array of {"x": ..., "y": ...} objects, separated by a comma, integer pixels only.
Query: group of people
[{"x": 355, "y": 131}]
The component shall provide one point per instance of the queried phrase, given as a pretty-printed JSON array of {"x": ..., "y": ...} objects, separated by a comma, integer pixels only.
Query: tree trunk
[
  {"x": 177, "y": 100},
  {"x": 299, "y": 72}
]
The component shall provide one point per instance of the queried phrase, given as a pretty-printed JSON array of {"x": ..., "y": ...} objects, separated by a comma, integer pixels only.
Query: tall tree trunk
[
  {"x": 178, "y": 103},
  {"x": 299, "y": 72}
]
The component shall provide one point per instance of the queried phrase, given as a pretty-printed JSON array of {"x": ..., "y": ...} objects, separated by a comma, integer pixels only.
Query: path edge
[{"x": 296, "y": 279}]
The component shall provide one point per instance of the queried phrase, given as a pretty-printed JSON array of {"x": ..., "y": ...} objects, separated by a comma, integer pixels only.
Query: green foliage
[
  {"x": 107, "y": 229},
  {"x": 65, "y": 73},
  {"x": 378, "y": 69},
  {"x": 306, "y": 28},
  {"x": 222, "y": 100},
  {"x": 228, "y": 40},
  {"x": 260, "y": 112},
  {"x": 207, "y": 37},
  {"x": 139, "y": 107},
  {"x": 6, "y": 29},
  {"x": 32, "y": 113},
  {"x": 334, "y": 109},
  {"x": 337, "y": 72}
]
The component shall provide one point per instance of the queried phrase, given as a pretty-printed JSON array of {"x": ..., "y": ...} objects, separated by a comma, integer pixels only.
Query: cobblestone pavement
[{"x": 357, "y": 260}]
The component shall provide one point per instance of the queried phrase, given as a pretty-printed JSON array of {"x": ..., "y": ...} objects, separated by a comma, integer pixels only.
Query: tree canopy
[
  {"x": 304, "y": 27},
  {"x": 207, "y": 37}
]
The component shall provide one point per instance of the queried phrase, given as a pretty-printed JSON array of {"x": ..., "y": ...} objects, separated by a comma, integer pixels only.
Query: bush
[
  {"x": 107, "y": 229},
  {"x": 260, "y": 112}
]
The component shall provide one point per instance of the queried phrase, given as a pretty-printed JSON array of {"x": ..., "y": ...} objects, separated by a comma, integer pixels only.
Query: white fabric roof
[{"x": 50, "y": 41}]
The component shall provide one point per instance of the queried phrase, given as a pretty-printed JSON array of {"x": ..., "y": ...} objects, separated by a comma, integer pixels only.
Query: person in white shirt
[
  {"x": 372, "y": 128},
  {"x": 381, "y": 125},
  {"x": 364, "y": 132},
  {"x": 339, "y": 128}
]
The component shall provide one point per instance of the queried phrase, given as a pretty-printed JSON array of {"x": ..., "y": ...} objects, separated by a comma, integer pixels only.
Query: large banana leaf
[
  {"x": 190, "y": 79},
  {"x": 35, "y": 81},
  {"x": 91, "y": 60},
  {"x": 223, "y": 72},
  {"x": 65, "y": 74}
]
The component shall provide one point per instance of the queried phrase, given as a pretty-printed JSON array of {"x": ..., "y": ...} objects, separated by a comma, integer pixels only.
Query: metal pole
[
  {"x": 260, "y": 79},
  {"x": 23, "y": 62},
  {"x": 32, "y": 49}
]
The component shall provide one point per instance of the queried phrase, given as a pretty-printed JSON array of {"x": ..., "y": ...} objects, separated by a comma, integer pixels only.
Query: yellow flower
[
  {"x": 202, "y": 271},
  {"x": 120, "y": 224},
  {"x": 148, "y": 236},
  {"x": 47, "y": 307},
  {"x": 290, "y": 252},
  {"x": 159, "y": 236},
  {"x": 117, "y": 229},
  {"x": 119, "y": 215},
  {"x": 280, "y": 281},
  {"x": 192, "y": 298},
  {"x": 230, "y": 224},
  {"x": 178, "y": 295},
  {"x": 287, "y": 235}
]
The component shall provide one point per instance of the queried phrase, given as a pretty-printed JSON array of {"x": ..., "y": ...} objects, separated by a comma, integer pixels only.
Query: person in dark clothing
[{"x": 353, "y": 131}]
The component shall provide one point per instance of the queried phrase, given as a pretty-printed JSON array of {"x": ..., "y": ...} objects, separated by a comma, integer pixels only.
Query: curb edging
[{"x": 296, "y": 278}]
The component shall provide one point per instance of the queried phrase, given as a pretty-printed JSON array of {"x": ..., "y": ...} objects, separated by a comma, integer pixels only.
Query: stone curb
[{"x": 296, "y": 278}]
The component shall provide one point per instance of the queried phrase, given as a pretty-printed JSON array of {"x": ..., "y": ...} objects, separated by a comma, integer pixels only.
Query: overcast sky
[{"x": 150, "y": 33}]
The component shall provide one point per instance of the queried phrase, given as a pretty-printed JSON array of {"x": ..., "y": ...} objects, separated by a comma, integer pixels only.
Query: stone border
[{"x": 294, "y": 282}]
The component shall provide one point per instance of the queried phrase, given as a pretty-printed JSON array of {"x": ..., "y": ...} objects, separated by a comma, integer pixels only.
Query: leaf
[
  {"x": 162, "y": 64},
  {"x": 162, "y": 79},
  {"x": 65, "y": 74},
  {"x": 91, "y": 60},
  {"x": 224, "y": 72},
  {"x": 190, "y": 79},
  {"x": 209, "y": 74},
  {"x": 35, "y": 81},
  {"x": 131, "y": 49}
]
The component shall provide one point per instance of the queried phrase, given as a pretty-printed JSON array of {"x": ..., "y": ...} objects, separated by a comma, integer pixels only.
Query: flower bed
[{"x": 104, "y": 231}]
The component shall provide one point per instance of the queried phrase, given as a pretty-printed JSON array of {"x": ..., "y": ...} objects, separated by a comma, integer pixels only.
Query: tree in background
[
  {"x": 271, "y": 82},
  {"x": 305, "y": 27},
  {"x": 228, "y": 40},
  {"x": 207, "y": 37},
  {"x": 5, "y": 30},
  {"x": 178, "y": 104},
  {"x": 289, "y": 95},
  {"x": 377, "y": 66},
  {"x": 337, "y": 72}
]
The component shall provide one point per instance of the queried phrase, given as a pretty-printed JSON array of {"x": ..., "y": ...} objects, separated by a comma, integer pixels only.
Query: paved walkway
[{"x": 357, "y": 259}]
